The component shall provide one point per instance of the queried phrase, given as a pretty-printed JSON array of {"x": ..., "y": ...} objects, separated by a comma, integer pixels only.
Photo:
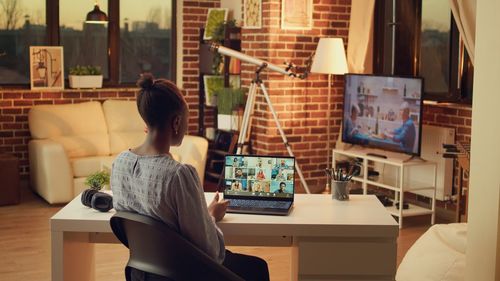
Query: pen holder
[{"x": 340, "y": 190}]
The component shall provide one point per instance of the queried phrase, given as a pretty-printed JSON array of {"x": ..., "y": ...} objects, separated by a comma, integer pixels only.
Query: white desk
[{"x": 329, "y": 239}]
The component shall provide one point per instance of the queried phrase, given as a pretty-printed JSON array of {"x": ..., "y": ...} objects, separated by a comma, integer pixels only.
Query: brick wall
[
  {"x": 194, "y": 16},
  {"x": 302, "y": 105}
]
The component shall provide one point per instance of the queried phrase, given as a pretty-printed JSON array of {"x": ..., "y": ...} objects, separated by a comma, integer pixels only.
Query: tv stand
[
  {"x": 376, "y": 155},
  {"x": 415, "y": 157},
  {"x": 396, "y": 173}
]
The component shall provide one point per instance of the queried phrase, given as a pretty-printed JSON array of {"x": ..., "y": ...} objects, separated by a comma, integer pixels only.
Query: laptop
[{"x": 256, "y": 184}]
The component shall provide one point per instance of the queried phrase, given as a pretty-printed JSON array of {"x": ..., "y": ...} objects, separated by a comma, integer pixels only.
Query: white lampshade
[{"x": 330, "y": 57}]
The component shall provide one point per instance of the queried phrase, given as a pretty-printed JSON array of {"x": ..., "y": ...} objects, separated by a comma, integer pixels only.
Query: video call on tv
[{"x": 259, "y": 176}]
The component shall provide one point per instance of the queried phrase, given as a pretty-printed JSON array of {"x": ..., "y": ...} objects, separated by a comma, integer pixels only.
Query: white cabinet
[{"x": 397, "y": 172}]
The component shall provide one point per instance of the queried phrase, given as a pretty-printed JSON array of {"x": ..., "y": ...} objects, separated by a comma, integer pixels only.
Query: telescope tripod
[{"x": 249, "y": 107}]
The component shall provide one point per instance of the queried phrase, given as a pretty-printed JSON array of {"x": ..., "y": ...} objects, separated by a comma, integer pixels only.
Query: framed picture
[
  {"x": 252, "y": 14},
  {"x": 235, "y": 81},
  {"x": 212, "y": 83},
  {"x": 296, "y": 14},
  {"x": 215, "y": 17},
  {"x": 46, "y": 68}
]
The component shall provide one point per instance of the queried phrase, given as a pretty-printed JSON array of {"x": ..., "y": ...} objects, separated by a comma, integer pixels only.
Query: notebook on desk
[{"x": 259, "y": 184}]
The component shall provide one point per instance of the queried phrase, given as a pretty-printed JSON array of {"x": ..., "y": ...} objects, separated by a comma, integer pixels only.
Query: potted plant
[
  {"x": 85, "y": 77},
  {"x": 97, "y": 180},
  {"x": 228, "y": 101}
]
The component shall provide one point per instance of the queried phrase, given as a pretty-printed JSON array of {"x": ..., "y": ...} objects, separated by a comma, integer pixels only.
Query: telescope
[
  {"x": 214, "y": 47},
  {"x": 250, "y": 104}
]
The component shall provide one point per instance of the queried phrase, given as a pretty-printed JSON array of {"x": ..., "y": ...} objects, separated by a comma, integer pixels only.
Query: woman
[
  {"x": 256, "y": 187},
  {"x": 261, "y": 175},
  {"x": 236, "y": 186},
  {"x": 147, "y": 180}
]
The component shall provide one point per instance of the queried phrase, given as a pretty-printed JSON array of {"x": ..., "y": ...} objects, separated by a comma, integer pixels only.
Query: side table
[{"x": 9, "y": 175}]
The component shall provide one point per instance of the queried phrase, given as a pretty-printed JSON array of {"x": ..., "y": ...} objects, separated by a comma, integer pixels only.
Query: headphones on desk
[{"x": 99, "y": 201}]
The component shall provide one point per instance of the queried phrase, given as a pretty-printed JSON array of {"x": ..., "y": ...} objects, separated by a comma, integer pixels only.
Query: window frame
[
  {"x": 53, "y": 39},
  {"x": 407, "y": 61}
]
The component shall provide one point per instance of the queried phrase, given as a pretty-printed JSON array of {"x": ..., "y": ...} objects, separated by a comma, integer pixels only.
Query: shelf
[
  {"x": 398, "y": 166},
  {"x": 413, "y": 210},
  {"x": 409, "y": 187}
]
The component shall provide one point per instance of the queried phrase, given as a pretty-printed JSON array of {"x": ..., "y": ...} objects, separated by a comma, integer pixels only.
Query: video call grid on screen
[{"x": 259, "y": 176}]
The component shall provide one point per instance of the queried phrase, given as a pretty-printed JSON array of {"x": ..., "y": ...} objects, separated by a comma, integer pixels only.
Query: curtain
[
  {"x": 360, "y": 39},
  {"x": 464, "y": 13}
]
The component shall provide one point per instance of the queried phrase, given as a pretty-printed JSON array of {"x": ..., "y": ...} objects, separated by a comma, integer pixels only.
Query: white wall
[
  {"x": 483, "y": 243},
  {"x": 234, "y": 7}
]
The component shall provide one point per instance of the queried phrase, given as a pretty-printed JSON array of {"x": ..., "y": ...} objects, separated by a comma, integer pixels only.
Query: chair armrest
[{"x": 51, "y": 174}]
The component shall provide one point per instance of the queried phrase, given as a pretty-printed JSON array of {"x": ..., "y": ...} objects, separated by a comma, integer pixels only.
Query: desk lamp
[{"x": 329, "y": 59}]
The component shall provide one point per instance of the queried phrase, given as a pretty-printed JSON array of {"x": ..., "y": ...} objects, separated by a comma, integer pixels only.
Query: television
[{"x": 383, "y": 112}]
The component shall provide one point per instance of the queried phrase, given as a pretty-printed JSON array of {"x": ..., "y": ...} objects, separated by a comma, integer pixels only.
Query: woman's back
[{"x": 164, "y": 189}]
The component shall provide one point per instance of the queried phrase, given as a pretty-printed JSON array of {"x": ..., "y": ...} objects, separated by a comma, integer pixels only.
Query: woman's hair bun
[{"x": 146, "y": 81}]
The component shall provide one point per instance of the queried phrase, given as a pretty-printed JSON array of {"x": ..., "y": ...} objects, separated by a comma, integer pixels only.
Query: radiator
[{"x": 433, "y": 138}]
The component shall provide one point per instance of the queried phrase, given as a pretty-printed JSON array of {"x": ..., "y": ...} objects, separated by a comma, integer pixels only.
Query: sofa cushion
[
  {"x": 84, "y": 145},
  {"x": 80, "y": 128},
  {"x": 79, "y": 185},
  {"x": 85, "y": 166},
  {"x": 125, "y": 125},
  {"x": 439, "y": 254}
]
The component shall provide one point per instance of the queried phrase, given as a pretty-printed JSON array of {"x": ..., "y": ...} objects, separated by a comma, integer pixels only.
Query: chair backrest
[{"x": 156, "y": 248}]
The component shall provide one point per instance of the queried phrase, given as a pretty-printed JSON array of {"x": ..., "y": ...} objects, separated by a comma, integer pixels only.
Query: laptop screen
[{"x": 262, "y": 176}]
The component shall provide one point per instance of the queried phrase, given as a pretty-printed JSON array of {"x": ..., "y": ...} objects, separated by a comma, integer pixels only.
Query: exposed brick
[
  {"x": 23, "y": 103},
  {"x": 38, "y": 102},
  {"x": 5, "y": 103},
  {"x": 12, "y": 95},
  {"x": 90, "y": 95},
  {"x": 31, "y": 95},
  {"x": 71, "y": 95},
  {"x": 108, "y": 95},
  {"x": 12, "y": 110},
  {"x": 51, "y": 95}
]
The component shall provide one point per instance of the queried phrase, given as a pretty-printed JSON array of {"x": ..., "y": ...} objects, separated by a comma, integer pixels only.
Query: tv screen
[{"x": 383, "y": 112}]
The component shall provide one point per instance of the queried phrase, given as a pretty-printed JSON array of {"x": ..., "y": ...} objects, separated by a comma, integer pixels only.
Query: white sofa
[
  {"x": 438, "y": 255},
  {"x": 71, "y": 141}
]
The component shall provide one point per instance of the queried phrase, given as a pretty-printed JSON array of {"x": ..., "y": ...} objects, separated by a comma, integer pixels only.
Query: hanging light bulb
[{"x": 96, "y": 16}]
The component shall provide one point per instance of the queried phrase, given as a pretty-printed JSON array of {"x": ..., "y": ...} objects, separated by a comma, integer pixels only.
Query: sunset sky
[{"x": 73, "y": 12}]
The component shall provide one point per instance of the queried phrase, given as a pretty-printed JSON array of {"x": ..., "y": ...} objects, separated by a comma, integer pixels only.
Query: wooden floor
[{"x": 25, "y": 245}]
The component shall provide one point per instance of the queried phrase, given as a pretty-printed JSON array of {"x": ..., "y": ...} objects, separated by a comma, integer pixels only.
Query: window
[
  {"x": 145, "y": 39},
  {"x": 83, "y": 43},
  {"x": 435, "y": 46},
  {"x": 139, "y": 37},
  {"x": 420, "y": 37},
  {"x": 21, "y": 26}
]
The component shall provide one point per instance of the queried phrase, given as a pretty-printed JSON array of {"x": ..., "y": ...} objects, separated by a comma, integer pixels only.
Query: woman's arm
[{"x": 195, "y": 222}]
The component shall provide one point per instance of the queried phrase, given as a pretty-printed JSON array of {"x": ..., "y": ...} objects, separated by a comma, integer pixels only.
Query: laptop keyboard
[{"x": 244, "y": 203}]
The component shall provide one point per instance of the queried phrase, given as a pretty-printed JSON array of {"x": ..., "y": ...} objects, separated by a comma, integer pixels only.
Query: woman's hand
[{"x": 218, "y": 207}]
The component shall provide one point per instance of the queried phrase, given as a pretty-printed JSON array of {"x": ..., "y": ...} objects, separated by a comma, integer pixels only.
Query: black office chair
[{"x": 157, "y": 249}]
